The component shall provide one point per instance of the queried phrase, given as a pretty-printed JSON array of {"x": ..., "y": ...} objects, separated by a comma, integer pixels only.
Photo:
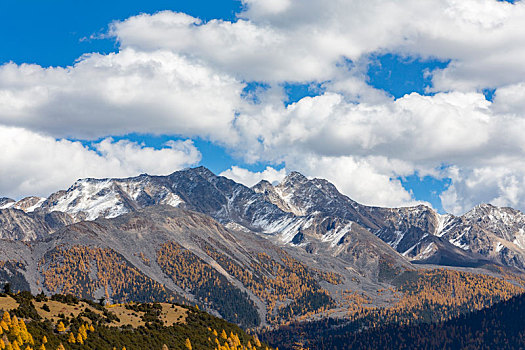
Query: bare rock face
[{"x": 17, "y": 225}]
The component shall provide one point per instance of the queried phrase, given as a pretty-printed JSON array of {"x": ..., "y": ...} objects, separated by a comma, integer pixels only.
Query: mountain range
[{"x": 255, "y": 256}]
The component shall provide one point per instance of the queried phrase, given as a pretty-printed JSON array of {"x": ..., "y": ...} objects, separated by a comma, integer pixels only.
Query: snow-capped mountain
[
  {"x": 152, "y": 228},
  {"x": 486, "y": 233},
  {"x": 310, "y": 214}
]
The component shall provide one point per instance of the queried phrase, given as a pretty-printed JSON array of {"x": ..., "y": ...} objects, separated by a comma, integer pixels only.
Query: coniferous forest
[{"x": 501, "y": 326}]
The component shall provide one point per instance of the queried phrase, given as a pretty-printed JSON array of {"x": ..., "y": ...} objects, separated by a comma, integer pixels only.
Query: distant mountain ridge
[{"x": 298, "y": 212}]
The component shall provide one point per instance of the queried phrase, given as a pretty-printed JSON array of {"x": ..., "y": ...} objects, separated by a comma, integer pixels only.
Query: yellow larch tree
[
  {"x": 15, "y": 345},
  {"x": 257, "y": 341},
  {"x": 71, "y": 338},
  {"x": 79, "y": 339},
  {"x": 188, "y": 344},
  {"x": 61, "y": 328},
  {"x": 6, "y": 318}
]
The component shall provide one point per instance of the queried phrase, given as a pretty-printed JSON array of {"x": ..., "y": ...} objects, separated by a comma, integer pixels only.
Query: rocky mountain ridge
[
  {"x": 486, "y": 233},
  {"x": 298, "y": 212}
]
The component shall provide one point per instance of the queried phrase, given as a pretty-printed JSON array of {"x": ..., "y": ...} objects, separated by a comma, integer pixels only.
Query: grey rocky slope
[
  {"x": 299, "y": 212},
  {"x": 131, "y": 257}
]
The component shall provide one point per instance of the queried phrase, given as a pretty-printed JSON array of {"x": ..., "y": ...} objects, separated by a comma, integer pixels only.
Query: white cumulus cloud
[
  {"x": 35, "y": 164},
  {"x": 130, "y": 91},
  {"x": 499, "y": 184}
]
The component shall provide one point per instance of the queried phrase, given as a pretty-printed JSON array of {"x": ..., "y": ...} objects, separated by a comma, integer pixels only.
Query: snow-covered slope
[
  {"x": 88, "y": 199},
  {"x": 6, "y": 202},
  {"x": 27, "y": 204}
]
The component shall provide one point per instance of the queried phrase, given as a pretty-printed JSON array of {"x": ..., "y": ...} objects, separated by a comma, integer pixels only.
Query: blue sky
[
  {"x": 377, "y": 75},
  {"x": 53, "y": 33}
]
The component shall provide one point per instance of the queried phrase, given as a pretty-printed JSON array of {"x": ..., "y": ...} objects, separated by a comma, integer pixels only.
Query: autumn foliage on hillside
[
  {"x": 192, "y": 274},
  {"x": 288, "y": 287},
  {"x": 423, "y": 297},
  {"x": 82, "y": 271},
  {"x": 276, "y": 281}
]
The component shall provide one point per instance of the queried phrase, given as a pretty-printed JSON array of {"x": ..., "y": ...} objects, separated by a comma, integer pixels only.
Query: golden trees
[
  {"x": 79, "y": 339},
  {"x": 67, "y": 270},
  {"x": 60, "y": 327},
  {"x": 6, "y": 318},
  {"x": 71, "y": 339}
]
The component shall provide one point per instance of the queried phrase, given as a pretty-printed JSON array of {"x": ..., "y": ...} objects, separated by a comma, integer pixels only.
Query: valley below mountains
[{"x": 260, "y": 257}]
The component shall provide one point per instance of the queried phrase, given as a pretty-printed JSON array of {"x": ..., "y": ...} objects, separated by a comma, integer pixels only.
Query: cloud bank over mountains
[{"x": 176, "y": 75}]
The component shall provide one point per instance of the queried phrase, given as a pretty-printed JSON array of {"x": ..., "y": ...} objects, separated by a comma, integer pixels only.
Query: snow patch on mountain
[
  {"x": 132, "y": 188},
  {"x": 285, "y": 228},
  {"x": 171, "y": 199},
  {"x": 29, "y": 204},
  {"x": 442, "y": 221},
  {"x": 287, "y": 197},
  {"x": 334, "y": 236},
  {"x": 399, "y": 236},
  {"x": 91, "y": 198},
  {"x": 427, "y": 252},
  {"x": 6, "y": 205},
  {"x": 520, "y": 239},
  {"x": 459, "y": 242}
]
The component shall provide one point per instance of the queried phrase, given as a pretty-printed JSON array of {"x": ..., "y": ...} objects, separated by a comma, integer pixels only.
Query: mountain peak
[
  {"x": 200, "y": 170},
  {"x": 261, "y": 186},
  {"x": 293, "y": 178},
  {"x": 487, "y": 208}
]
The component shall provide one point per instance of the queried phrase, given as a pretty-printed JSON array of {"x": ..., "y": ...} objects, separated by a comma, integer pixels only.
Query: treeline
[
  {"x": 288, "y": 287},
  {"x": 278, "y": 281}
]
